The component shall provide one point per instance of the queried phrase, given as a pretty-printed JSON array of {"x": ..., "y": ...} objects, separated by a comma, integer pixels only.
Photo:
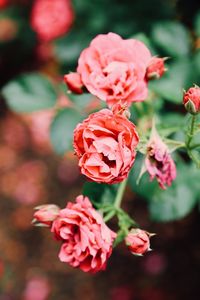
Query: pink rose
[
  {"x": 114, "y": 69},
  {"x": 191, "y": 100},
  {"x": 74, "y": 83},
  {"x": 46, "y": 214},
  {"x": 51, "y": 19},
  {"x": 105, "y": 145},
  {"x": 137, "y": 241},
  {"x": 156, "y": 68},
  {"x": 158, "y": 161},
  {"x": 87, "y": 241}
]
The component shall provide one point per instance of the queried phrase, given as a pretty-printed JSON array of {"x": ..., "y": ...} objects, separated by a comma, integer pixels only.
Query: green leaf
[
  {"x": 81, "y": 101},
  {"x": 99, "y": 193},
  {"x": 29, "y": 92},
  {"x": 144, "y": 38},
  {"x": 173, "y": 144},
  {"x": 68, "y": 48},
  {"x": 197, "y": 64},
  {"x": 172, "y": 38},
  {"x": 62, "y": 127},
  {"x": 179, "y": 199},
  {"x": 145, "y": 188},
  {"x": 120, "y": 237}
]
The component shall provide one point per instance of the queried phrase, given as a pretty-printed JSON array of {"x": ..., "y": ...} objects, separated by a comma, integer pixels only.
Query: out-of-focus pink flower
[
  {"x": 14, "y": 133},
  {"x": 122, "y": 293},
  {"x": 37, "y": 288},
  {"x": 155, "y": 263},
  {"x": 3, "y": 3},
  {"x": 74, "y": 83},
  {"x": 51, "y": 19},
  {"x": 1, "y": 269},
  {"x": 68, "y": 171},
  {"x": 87, "y": 241},
  {"x": 156, "y": 68},
  {"x": 137, "y": 241},
  {"x": 158, "y": 161},
  {"x": 39, "y": 126},
  {"x": 29, "y": 187},
  {"x": 46, "y": 214},
  {"x": 105, "y": 144},
  {"x": 8, "y": 158},
  {"x": 114, "y": 69},
  {"x": 191, "y": 100}
]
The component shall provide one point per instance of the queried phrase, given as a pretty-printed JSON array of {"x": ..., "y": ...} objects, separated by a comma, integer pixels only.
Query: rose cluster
[
  {"x": 116, "y": 71},
  {"x": 86, "y": 241}
]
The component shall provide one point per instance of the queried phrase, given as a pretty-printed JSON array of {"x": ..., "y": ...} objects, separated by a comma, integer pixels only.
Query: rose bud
[
  {"x": 86, "y": 240},
  {"x": 121, "y": 109},
  {"x": 156, "y": 68},
  {"x": 45, "y": 214},
  {"x": 138, "y": 242},
  {"x": 158, "y": 161},
  {"x": 74, "y": 83},
  {"x": 105, "y": 144},
  {"x": 191, "y": 100}
]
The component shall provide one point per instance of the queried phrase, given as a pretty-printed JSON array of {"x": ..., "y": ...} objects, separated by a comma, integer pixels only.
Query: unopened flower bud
[
  {"x": 191, "y": 100},
  {"x": 138, "y": 241},
  {"x": 121, "y": 109},
  {"x": 74, "y": 82},
  {"x": 156, "y": 68},
  {"x": 45, "y": 214}
]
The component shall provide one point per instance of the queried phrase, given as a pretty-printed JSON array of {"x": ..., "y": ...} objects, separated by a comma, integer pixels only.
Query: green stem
[
  {"x": 194, "y": 146},
  {"x": 191, "y": 133},
  {"x": 120, "y": 193}
]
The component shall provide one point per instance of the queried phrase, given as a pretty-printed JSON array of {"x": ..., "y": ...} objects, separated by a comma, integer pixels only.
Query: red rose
[
  {"x": 114, "y": 69},
  {"x": 105, "y": 145},
  {"x": 87, "y": 241}
]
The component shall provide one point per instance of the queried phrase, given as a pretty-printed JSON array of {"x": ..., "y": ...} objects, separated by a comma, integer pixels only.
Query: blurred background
[{"x": 31, "y": 173}]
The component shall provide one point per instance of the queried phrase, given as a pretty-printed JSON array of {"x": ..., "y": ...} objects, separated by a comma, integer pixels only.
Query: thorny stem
[{"x": 120, "y": 193}]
